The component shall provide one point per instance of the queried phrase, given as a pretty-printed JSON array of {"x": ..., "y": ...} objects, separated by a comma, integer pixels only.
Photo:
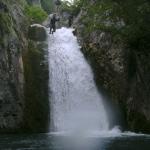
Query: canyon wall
[
  {"x": 120, "y": 71},
  {"x": 22, "y": 62}
]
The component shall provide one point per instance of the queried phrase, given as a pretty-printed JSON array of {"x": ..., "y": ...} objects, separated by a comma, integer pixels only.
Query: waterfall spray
[{"x": 76, "y": 104}]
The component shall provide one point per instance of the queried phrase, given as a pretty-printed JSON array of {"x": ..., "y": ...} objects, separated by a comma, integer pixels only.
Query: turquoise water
[{"x": 57, "y": 142}]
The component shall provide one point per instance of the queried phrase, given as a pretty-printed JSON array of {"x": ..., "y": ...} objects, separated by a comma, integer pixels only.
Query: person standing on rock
[{"x": 53, "y": 20}]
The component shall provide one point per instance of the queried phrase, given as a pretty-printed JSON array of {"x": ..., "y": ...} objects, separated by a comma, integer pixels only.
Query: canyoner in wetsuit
[{"x": 53, "y": 20}]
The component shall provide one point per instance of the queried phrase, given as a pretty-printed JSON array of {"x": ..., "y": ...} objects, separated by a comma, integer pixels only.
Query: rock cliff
[
  {"x": 122, "y": 72},
  {"x": 36, "y": 114},
  {"x": 17, "y": 57},
  {"x": 13, "y": 42}
]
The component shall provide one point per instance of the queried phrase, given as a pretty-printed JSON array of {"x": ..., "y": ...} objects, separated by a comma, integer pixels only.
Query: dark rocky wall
[
  {"x": 23, "y": 73},
  {"x": 121, "y": 72},
  {"x": 36, "y": 114},
  {"x": 12, "y": 43}
]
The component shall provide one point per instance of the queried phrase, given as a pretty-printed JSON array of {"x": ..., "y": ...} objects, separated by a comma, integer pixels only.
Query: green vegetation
[
  {"x": 128, "y": 20},
  {"x": 5, "y": 23},
  {"x": 35, "y": 14},
  {"x": 47, "y": 5}
]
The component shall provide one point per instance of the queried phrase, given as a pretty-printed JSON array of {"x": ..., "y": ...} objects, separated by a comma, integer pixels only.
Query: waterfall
[{"x": 76, "y": 104}]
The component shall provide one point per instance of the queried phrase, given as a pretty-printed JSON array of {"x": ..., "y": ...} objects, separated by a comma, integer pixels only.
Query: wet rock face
[
  {"x": 138, "y": 102},
  {"x": 36, "y": 115},
  {"x": 35, "y": 2},
  {"x": 11, "y": 67},
  {"x": 122, "y": 72},
  {"x": 23, "y": 72},
  {"x": 11, "y": 87}
]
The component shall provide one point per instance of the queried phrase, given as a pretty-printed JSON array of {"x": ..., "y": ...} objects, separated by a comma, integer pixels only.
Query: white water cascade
[{"x": 76, "y": 105}]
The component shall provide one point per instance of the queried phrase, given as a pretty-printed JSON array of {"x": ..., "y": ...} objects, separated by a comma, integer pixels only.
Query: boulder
[{"x": 37, "y": 33}]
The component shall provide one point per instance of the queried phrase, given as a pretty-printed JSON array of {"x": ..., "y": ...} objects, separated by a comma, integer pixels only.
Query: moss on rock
[
  {"x": 121, "y": 64},
  {"x": 36, "y": 114}
]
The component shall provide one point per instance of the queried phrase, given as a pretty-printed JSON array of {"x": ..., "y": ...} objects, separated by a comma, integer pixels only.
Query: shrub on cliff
[
  {"x": 126, "y": 19},
  {"x": 35, "y": 14}
]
